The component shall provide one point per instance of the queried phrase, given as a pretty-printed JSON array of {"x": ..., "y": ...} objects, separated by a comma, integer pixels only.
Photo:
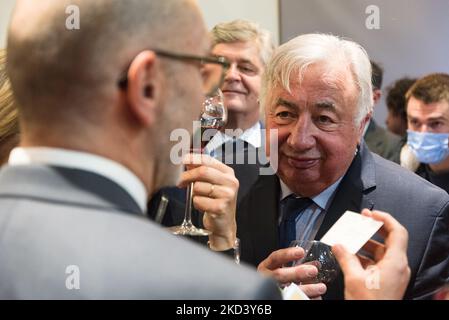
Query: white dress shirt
[
  {"x": 309, "y": 222},
  {"x": 83, "y": 161},
  {"x": 251, "y": 135}
]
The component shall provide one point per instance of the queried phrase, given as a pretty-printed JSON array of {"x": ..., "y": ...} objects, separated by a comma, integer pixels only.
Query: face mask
[{"x": 429, "y": 147}]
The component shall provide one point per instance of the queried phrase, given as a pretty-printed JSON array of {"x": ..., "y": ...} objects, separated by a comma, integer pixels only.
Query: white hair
[{"x": 301, "y": 52}]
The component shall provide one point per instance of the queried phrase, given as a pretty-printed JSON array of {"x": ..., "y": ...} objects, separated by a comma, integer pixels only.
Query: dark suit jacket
[
  {"x": 383, "y": 142},
  {"x": 52, "y": 218},
  {"x": 439, "y": 179},
  {"x": 374, "y": 183}
]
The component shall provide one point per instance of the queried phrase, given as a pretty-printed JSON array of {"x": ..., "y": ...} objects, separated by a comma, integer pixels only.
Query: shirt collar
[
  {"x": 83, "y": 161},
  {"x": 251, "y": 135},
  {"x": 322, "y": 200}
]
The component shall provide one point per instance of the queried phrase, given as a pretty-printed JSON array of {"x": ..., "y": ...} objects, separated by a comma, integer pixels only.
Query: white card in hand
[{"x": 352, "y": 231}]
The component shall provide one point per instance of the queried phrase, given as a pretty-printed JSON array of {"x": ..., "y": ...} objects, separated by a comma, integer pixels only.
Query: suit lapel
[
  {"x": 257, "y": 219},
  {"x": 355, "y": 192}
]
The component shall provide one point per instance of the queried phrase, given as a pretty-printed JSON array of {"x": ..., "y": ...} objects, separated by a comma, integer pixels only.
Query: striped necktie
[{"x": 291, "y": 208}]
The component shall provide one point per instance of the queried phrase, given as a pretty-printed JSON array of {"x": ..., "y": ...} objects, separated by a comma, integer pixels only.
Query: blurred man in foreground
[{"x": 97, "y": 108}]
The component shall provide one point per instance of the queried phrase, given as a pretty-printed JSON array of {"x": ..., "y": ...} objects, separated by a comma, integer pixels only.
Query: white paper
[
  {"x": 293, "y": 292},
  {"x": 352, "y": 231}
]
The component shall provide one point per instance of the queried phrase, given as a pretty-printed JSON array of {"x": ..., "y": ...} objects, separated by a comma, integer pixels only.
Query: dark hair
[
  {"x": 396, "y": 101},
  {"x": 430, "y": 89},
  {"x": 377, "y": 74}
]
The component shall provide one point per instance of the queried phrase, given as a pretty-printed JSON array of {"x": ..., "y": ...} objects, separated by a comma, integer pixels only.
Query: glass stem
[{"x": 189, "y": 202}]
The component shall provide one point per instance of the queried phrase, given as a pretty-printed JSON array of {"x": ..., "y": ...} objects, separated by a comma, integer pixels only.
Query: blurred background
[{"x": 411, "y": 38}]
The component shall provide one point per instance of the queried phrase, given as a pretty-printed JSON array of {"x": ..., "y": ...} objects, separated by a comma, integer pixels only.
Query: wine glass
[
  {"x": 213, "y": 117},
  {"x": 320, "y": 255}
]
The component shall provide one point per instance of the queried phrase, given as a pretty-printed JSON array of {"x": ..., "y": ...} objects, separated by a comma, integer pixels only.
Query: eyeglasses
[{"x": 212, "y": 69}]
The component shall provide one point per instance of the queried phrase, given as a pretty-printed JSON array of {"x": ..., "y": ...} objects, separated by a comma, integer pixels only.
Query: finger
[
  {"x": 367, "y": 213},
  {"x": 208, "y": 174},
  {"x": 348, "y": 262},
  {"x": 396, "y": 236},
  {"x": 279, "y": 258},
  {"x": 297, "y": 274},
  {"x": 376, "y": 249},
  {"x": 315, "y": 263},
  {"x": 213, "y": 206},
  {"x": 370, "y": 214},
  {"x": 313, "y": 291},
  {"x": 210, "y": 190},
  {"x": 194, "y": 160}
]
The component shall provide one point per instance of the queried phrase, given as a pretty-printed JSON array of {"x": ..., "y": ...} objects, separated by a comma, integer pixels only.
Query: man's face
[
  {"x": 181, "y": 103},
  {"x": 241, "y": 87},
  {"x": 396, "y": 124},
  {"x": 317, "y": 134},
  {"x": 433, "y": 117}
]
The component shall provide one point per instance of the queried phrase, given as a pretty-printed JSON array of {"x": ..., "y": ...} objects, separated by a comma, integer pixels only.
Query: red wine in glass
[{"x": 213, "y": 117}]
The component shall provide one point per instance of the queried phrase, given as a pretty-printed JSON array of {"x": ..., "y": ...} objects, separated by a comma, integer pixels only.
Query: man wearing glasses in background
[{"x": 95, "y": 144}]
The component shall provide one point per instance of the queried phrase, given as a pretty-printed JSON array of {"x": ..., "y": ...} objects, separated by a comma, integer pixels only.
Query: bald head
[{"x": 60, "y": 74}]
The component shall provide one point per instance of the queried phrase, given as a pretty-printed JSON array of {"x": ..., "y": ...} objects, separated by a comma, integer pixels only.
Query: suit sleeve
[{"x": 433, "y": 272}]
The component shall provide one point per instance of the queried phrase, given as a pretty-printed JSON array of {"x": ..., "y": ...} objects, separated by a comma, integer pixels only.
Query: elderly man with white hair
[{"x": 317, "y": 94}]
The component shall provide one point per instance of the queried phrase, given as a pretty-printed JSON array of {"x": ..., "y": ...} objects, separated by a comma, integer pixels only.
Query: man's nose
[
  {"x": 232, "y": 74},
  {"x": 302, "y": 136},
  {"x": 424, "y": 128}
]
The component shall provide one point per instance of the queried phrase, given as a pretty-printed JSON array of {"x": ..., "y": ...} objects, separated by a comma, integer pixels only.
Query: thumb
[{"x": 348, "y": 262}]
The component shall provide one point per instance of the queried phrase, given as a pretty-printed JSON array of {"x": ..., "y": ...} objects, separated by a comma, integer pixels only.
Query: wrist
[
  {"x": 222, "y": 243},
  {"x": 233, "y": 251}
]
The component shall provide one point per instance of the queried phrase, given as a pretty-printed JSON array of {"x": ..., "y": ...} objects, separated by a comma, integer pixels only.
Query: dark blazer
[
  {"x": 383, "y": 142},
  {"x": 374, "y": 183},
  {"x": 439, "y": 179},
  {"x": 52, "y": 218}
]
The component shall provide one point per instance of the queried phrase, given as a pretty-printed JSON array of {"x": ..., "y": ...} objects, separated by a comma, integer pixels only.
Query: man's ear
[
  {"x": 363, "y": 125},
  {"x": 143, "y": 91},
  {"x": 377, "y": 94}
]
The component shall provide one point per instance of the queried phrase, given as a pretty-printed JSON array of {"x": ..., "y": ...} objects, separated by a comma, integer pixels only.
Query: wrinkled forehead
[
  {"x": 239, "y": 51},
  {"x": 333, "y": 80}
]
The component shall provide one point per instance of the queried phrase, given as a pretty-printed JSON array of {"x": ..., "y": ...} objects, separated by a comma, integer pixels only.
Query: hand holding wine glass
[
  {"x": 215, "y": 193},
  {"x": 278, "y": 266},
  {"x": 212, "y": 183},
  {"x": 321, "y": 256}
]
